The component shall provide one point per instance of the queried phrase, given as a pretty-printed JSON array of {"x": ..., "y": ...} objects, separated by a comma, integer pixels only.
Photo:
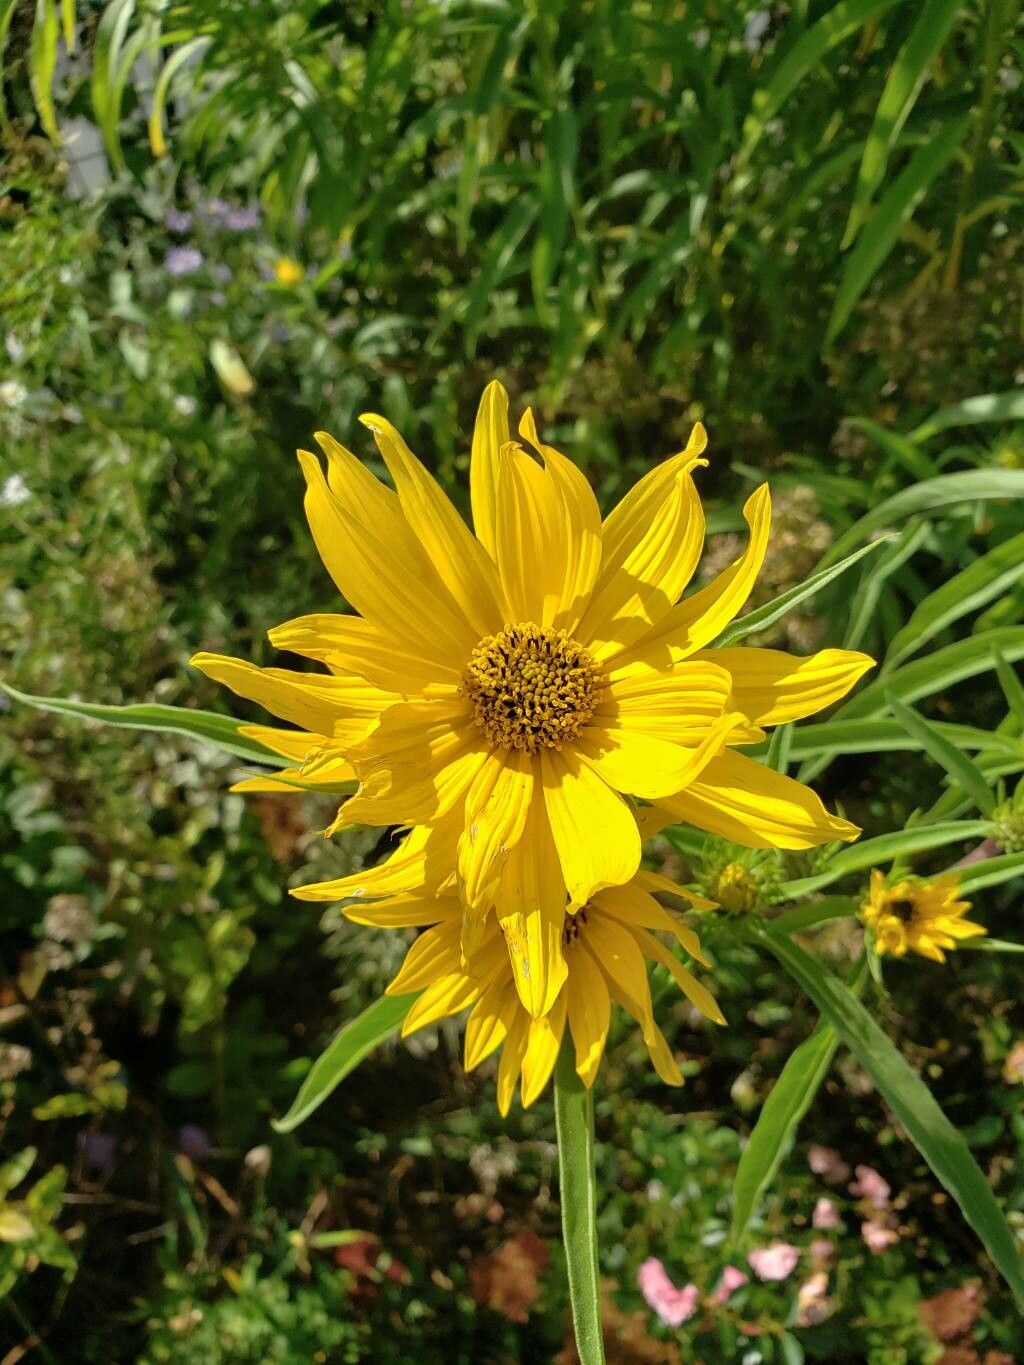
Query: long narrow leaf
[
  {"x": 960, "y": 768},
  {"x": 984, "y": 407},
  {"x": 910, "y": 1100},
  {"x": 968, "y": 485},
  {"x": 877, "y": 736},
  {"x": 865, "y": 601},
  {"x": 43, "y": 64},
  {"x": 969, "y": 590},
  {"x": 770, "y": 612},
  {"x": 895, "y": 209},
  {"x": 872, "y": 852},
  {"x": 574, "y": 1124},
  {"x": 220, "y": 731},
  {"x": 992, "y": 871},
  {"x": 906, "y": 77},
  {"x": 350, "y": 1045}
]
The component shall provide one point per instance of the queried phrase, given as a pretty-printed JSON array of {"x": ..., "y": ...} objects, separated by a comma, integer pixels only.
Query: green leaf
[
  {"x": 895, "y": 209},
  {"x": 984, "y": 407},
  {"x": 790, "y": 1098},
  {"x": 988, "y": 577},
  {"x": 906, "y": 77},
  {"x": 1013, "y": 689},
  {"x": 170, "y": 68},
  {"x": 960, "y": 768},
  {"x": 830, "y": 30},
  {"x": 911, "y": 1102},
  {"x": 766, "y": 615},
  {"x": 350, "y": 1045},
  {"x": 941, "y": 493},
  {"x": 15, "y": 1169},
  {"x": 574, "y": 1124},
  {"x": 878, "y": 736},
  {"x": 803, "y": 917},
  {"x": 872, "y": 852},
  {"x": 6, "y": 15},
  {"x": 109, "y": 41},
  {"x": 991, "y": 872},
  {"x": 864, "y": 603},
  {"x": 208, "y": 726},
  {"x": 899, "y": 448},
  {"x": 43, "y": 64},
  {"x": 937, "y": 672},
  {"x": 992, "y": 945}
]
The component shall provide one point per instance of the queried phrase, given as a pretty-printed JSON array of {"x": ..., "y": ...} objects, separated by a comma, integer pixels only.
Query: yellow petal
[
  {"x": 530, "y": 903},
  {"x": 489, "y": 1022},
  {"x": 490, "y": 433},
  {"x": 699, "y": 619},
  {"x": 695, "y": 992},
  {"x": 615, "y": 950},
  {"x": 678, "y": 705},
  {"x": 349, "y": 644},
  {"x": 661, "y": 1055},
  {"x": 316, "y": 701},
  {"x": 459, "y": 560},
  {"x": 336, "y": 777},
  {"x": 407, "y": 911},
  {"x": 632, "y": 596},
  {"x": 419, "y": 863},
  {"x": 589, "y": 1014},
  {"x": 754, "y": 806},
  {"x": 772, "y": 688},
  {"x": 511, "y": 1061},
  {"x": 447, "y": 996},
  {"x": 496, "y": 812},
  {"x": 435, "y": 954},
  {"x": 658, "y": 883},
  {"x": 542, "y": 1044},
  {"x": 379, "y": 567},
  {"x": 642, "y": 765},
  {"x": 575, "y": 543},
  {"x": 594, "y": 830},
  {"x": 293, "y": 744},
  {"x": 634, "y": 907},
  {"x": 627, "y": 522},
  {"x": 417, "y": 762}
]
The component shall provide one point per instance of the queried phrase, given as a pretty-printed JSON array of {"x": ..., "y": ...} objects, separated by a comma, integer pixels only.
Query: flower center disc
[{"x": 532, "y": 687}]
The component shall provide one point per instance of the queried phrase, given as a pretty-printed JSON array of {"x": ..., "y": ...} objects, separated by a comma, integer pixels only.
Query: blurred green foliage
[{"x": 798, "y": 223}]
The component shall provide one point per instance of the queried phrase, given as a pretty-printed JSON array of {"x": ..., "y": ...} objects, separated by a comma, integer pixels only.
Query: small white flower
[
  {"x": 184, "y": 405},
  {"x": 700, "y": 37},
  {"x": 756, "y": 28},
  {"x": 14, "y": 347},
  {"x": 14, "y": 491},
  {"x": 1009, "y": 78},
  {"x": 12, "y": 393}
]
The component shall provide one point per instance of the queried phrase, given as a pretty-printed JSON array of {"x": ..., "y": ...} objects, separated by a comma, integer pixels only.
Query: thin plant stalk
[{"x": 574, "y": 1123}]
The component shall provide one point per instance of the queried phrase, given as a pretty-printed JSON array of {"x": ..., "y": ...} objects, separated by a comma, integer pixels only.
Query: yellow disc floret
[{"x": 531, "y": 687}]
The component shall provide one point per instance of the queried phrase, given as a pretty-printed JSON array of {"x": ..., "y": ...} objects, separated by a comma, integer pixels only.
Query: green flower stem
[{"x": 574, "y": 1123}]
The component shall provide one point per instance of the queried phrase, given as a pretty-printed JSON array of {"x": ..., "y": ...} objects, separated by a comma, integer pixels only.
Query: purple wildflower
[
  {"x": 243, "y": 219},
  {"x": 177, "y": 220},
  {"x": 183, "y": 260}
]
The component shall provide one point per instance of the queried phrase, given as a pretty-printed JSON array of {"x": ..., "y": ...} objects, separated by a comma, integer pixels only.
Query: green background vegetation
[{"x": 800, "y": 224}]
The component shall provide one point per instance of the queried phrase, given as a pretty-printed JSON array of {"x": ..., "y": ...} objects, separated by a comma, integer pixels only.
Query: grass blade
[
  {"x": 574, "y": 1123},
  {"x": 959, "y": 767},
  {"x": 871, "y": 852},
  {"x": 967, "y": 485},
  {"x": 984, "y": 407},
  {"x": 902, "y": 88},
  {"x": 895, "y": 209},
  {"x": 766, "y": 615},
  {"x": 988, "y": 577},
  {"x": 350, "y": 1045},
  {"x": 910, "y": 1100},
  {"x": 208, "y": 726},
  {"x": 43, "y": 64}
]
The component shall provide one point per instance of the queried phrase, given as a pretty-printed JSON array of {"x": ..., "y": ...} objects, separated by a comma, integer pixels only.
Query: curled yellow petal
[{"x": 771, "y": 687}]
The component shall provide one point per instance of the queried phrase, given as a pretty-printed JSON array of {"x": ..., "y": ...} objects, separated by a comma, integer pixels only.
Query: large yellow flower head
[
  {"x": 606, "y": 944},
  {"x": 514, "y": 692},
  {"x": 917, "y": 917}
]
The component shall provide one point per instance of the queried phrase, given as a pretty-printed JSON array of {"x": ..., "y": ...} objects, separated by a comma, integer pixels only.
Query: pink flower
[
  {"x": 775, "y": 1262},
  {"x": 877, "y": 1236},
  {"x": 869, "y": 1185},
  {"x": 826, "y": 1162},
  {"x": 825, "y": 1216},
  {"x": 674, "y": 1306},
  {"x": 732, "y": 1279}
]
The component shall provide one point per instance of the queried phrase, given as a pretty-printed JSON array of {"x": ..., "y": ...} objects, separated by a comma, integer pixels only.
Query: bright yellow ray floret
[
  {"x": 518, "y": 690},
  {"x": 606, "y": 943},
  {"x": 918, "y": 916}
]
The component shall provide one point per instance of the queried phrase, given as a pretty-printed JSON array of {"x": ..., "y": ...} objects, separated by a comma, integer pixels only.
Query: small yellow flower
[
  {"x": 736, "y": 888},
  {"x": 606, "y": 944},
  {"x": 288, "y": 271},
  {"x": 918, "y": 917},
  {"x": 516, "y": 691}
]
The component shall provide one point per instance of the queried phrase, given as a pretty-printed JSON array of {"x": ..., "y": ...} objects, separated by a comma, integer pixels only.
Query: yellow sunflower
[
  {"x": 606, "y": 945},
  {"x": 515, "y": 692},
  {"x": 917, "y": 917}
]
